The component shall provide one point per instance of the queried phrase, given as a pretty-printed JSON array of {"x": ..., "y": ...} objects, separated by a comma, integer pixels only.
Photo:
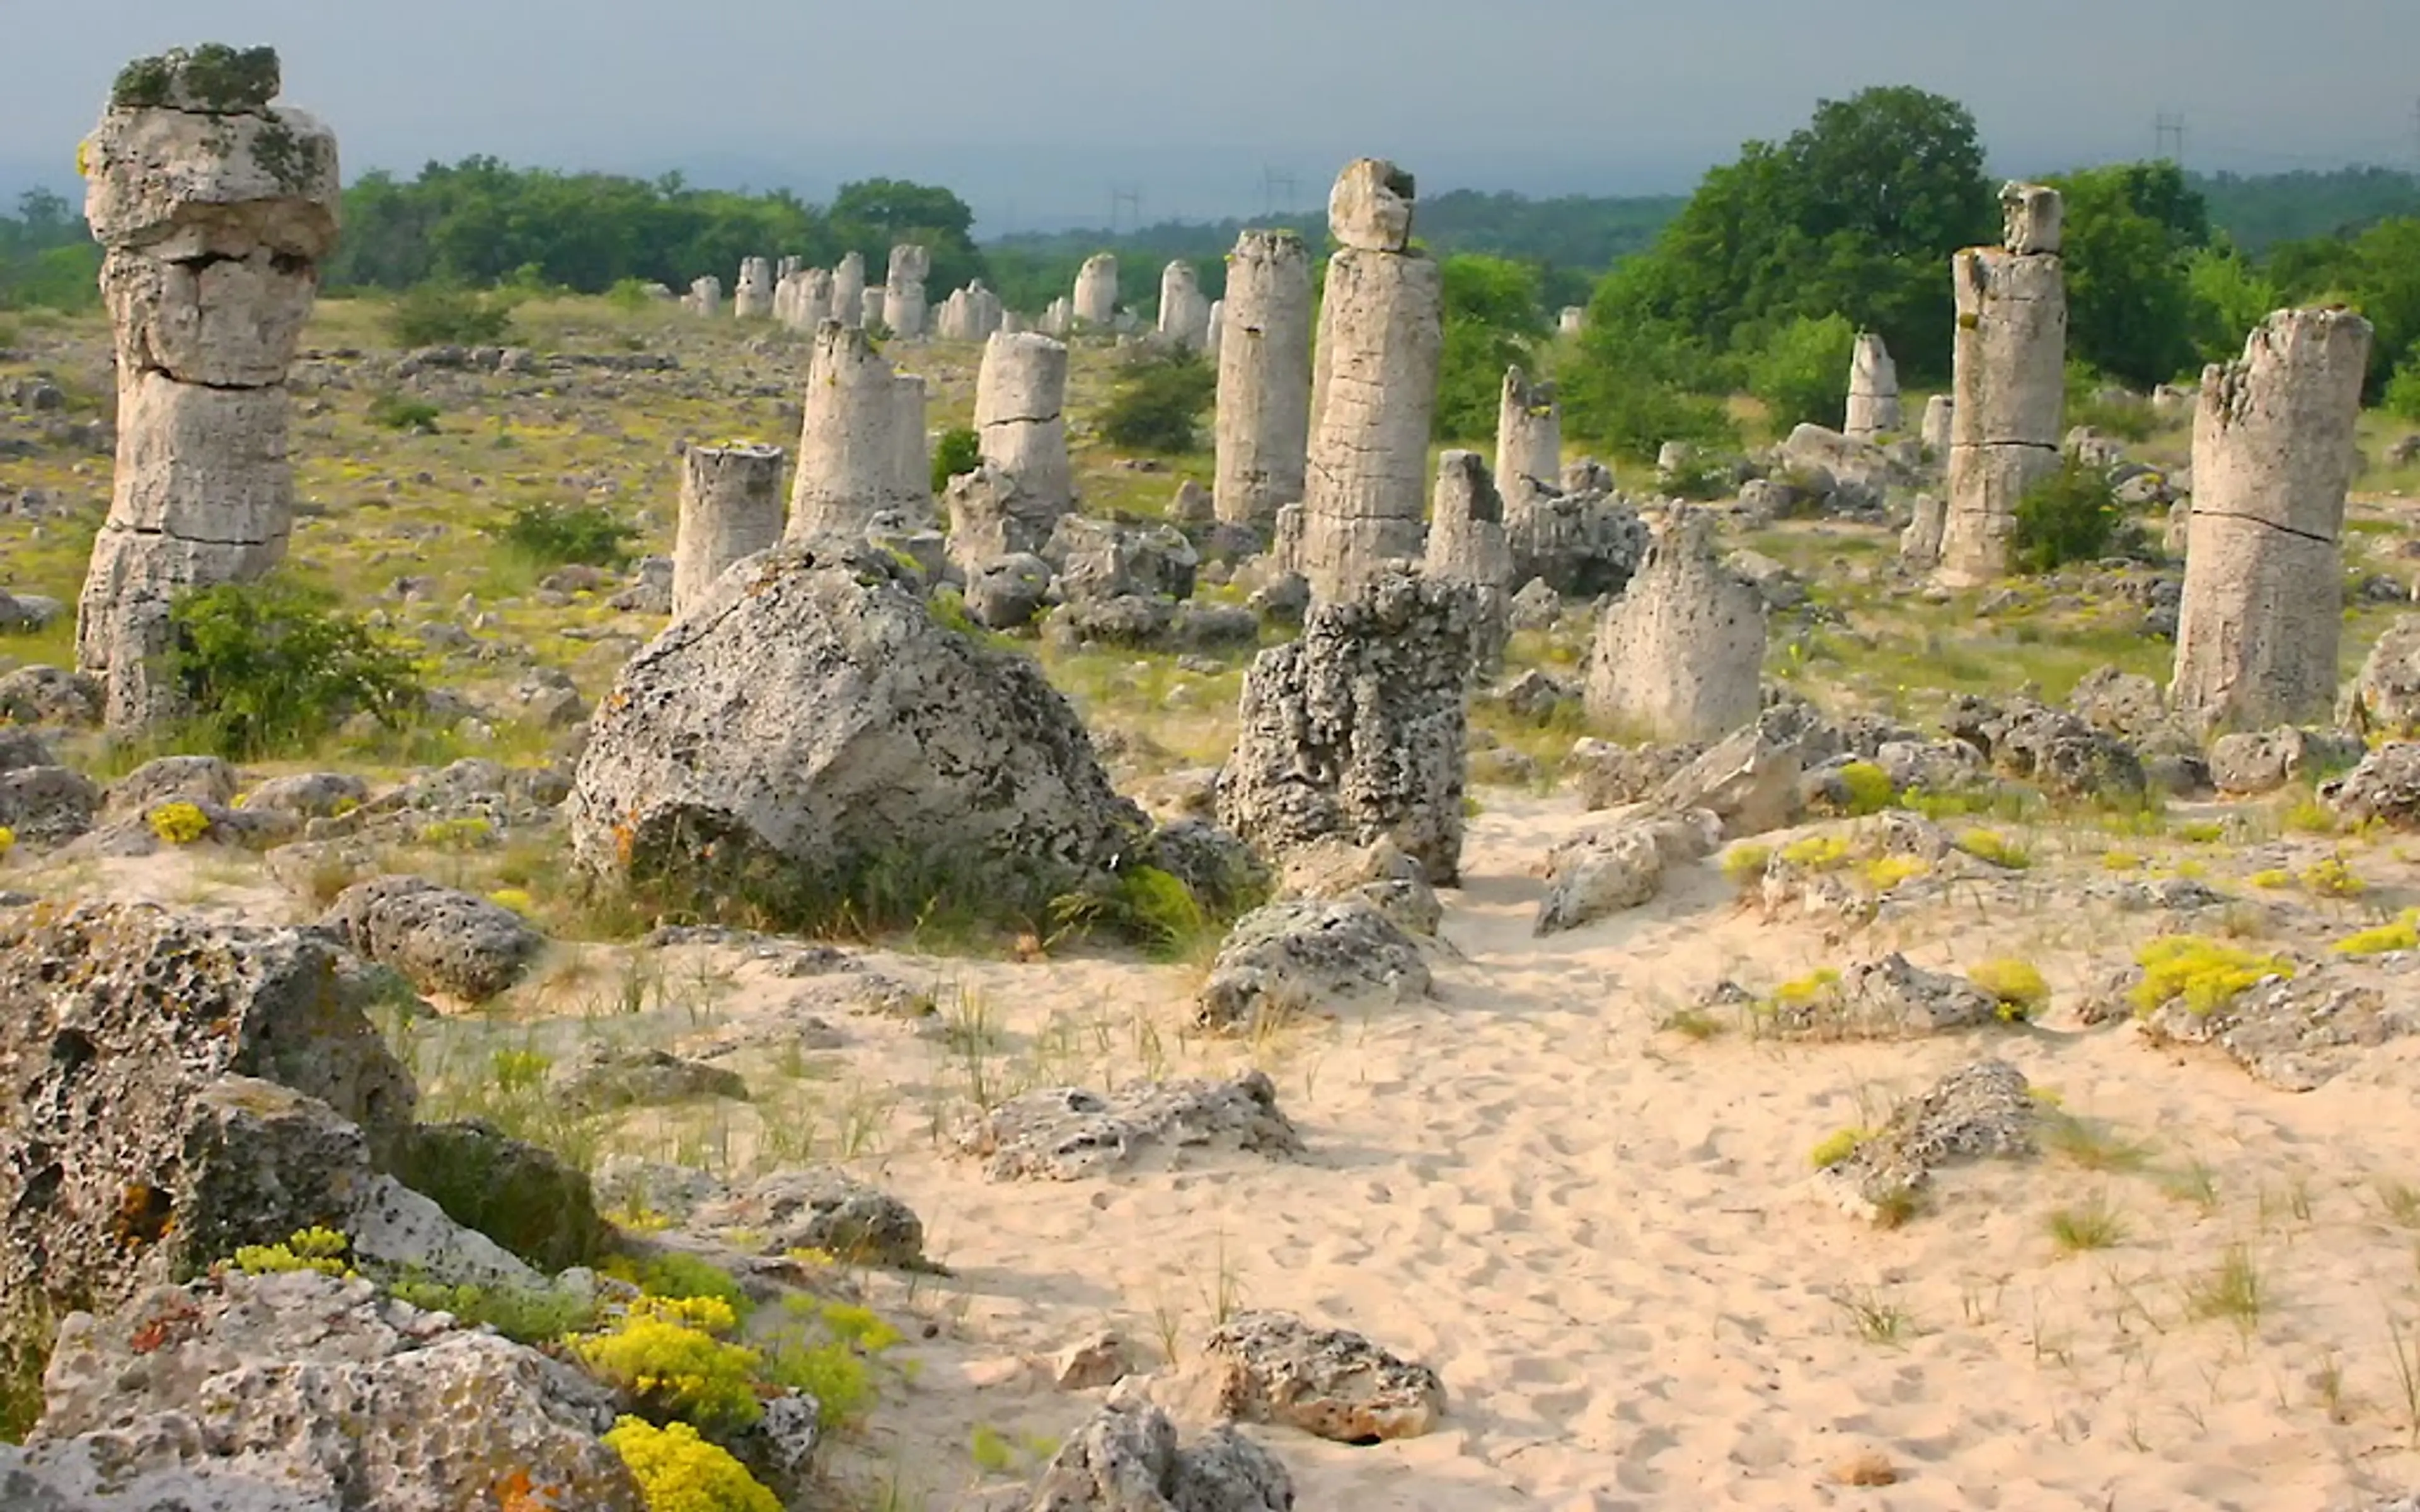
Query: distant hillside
[{"x": 2260, "y": 211}]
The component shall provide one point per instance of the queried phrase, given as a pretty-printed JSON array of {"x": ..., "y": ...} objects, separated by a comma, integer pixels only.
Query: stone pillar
[
  {"x": 1097, "y": 292},
  {"x": 1939, "y": 421},
  {"x": 913, "y": 478},
  {"x": 1529, "y": 436},
  {"x": 2273, "y": 454},
  {"x": 1264, "y": 418},
  {"x": 706, "y": 298},
  {"x": 1374, "y": 386},
  {"x": 850, "y": 453},
  {"x": 872, "y": 309},
  {"x": 984, "y": 312},
  {"x": 2010, "y": 382},
  {"x": 1059, "y": 317},
  {"x": 1920, "y": 545},
  {"x": 214, "y": 207},
  {"x": 1212, "y": 335},
  {"x": 1183, "y": 314},
  {"x": 1680, "y": 656},
  {"x": 787, "y": 268},
  {"x": 1572, "y": 321},
  {"x": 848, "y": 290},
  {"x": 1466, "y": 545},
  {"x": 1357, "y": 731},
  {"x": 1873, "y": 392},
  {"x": 730, "y": 508},
  {"x": 1020, "y": 394},
  {"x": 752, "y": 298},
  {"x": 902, "y": 292}
]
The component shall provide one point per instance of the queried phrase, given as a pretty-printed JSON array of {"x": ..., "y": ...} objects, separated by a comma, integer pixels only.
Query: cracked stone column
[
  {"x": 1183, "y": 314},
  {"x": 706, "y": 298},
  {"x": 848, "y": 290},
  {"x": 1374, "y": 387},
  {"x": 1680, "y": 656},
  {"x": 2273, "y": 453},
  {"x": 903, "y": 291},
  {"x": 1097, "y": 292},
  {"x": 1529, "y": 436},
  {"x": 1873, "y": 391},
  {"x": 1263, "y": 419},
  {"x": 214, "y": 208},
  {"x": 1939, "y": 422},
  {"x": 1020, "y": 399},
  {"x": 1467, "y": 545},
  {"x": 2010, "y": 382},
  {"x": 851, "y": 454},
  {"x": 730, "y": 508},
  {"x": 751, "y": 298}
]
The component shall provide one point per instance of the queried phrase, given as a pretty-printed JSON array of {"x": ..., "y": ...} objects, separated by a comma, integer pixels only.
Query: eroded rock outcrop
[
  {"x": 1681, "y": 654},
  {"x": 1128, "y": 1459},
  {"x": 1308, "y": 955},
  {"x": 1066, "y": 1134},
  {"x": 1274, "y": 1367}
]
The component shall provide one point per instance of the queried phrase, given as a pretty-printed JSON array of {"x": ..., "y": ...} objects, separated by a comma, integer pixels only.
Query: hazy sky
[{"x": 1033, "y": 109}]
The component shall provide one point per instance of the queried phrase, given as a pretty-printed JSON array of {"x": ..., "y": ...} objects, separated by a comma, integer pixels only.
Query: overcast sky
[{"x": 1033, "y": 109}]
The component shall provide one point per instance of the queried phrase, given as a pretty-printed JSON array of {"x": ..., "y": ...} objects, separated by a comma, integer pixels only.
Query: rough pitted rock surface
[
  {"x": 45, "y": 805},
  {"x": 1128, "y": 1459},
  {"x": 1987, "y": 1109},
  {"x": 1749, "y": 779},
  {"x": 1305, "y": 955},
  {"x": 320, "y": 1389},
  {"x": 2058, "y": 750},
  {"x": 48, "y": 694},
  {"x": 2385, "y": 786},
  {"x": 2264, "y": 762},
  {"x": 170, "y": 1090},
  {"x": 1274, "y": 1367},
  {"x": 827, "y": 1211},
  {"x": 1358, "y": 730},
  {"x": 2295, "y": 1034},
  {"x": 604, "y": 1077},
  {"x": 808, "y": 724},
  {"x": 1891, "y": 997},
  {"x": 2385, "y": 697},
  {"x": 1678, "y": 656},
  {"x": 1620, "y": 867},
  {"x": 1380, "y": 875},
  {"x": 438, "y": 940},
  {"x": 1065, "y": 1133}
]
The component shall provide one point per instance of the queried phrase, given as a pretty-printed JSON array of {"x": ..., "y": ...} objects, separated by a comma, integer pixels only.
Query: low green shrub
[
  {"x": 2070, "y": 516},
  {"x": 437, "y": 315},
  {"x": 272, "y": 667},
  {"x": 561, "y": 535},
  {"x": 1158, "y": 403},
  {"x": 959, "y": 450}
]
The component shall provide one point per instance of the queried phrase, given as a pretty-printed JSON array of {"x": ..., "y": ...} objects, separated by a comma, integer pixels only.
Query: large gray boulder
[
  {"x": 438, "y": 940},
  {"x": 1274, "y": 1367},
  {"x": 1128, "y": 1459},
  {"x": 1065, "y": 1133},
  {"x": 1307, "y": 955},
  {"x": 808, "y": 732}
]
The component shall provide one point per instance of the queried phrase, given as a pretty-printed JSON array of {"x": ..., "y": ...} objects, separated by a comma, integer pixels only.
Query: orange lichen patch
[
  {"x": 145, "y": 1215},
  {"x": 157, "y": 1332}
]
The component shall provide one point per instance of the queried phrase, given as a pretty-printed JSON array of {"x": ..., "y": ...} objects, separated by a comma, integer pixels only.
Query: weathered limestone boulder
[
  {"x": 308, "y": 794},
  {"x": 50, "y": 695},
  {"x": 214, "y": 208},
  {"x": 1529, "y": 436},
  {"x": 1606, "y": 871},
  {"x": 1357, "y": 729},
  {"x": 1128, "y": 1459},
  {"x": 2250, "y": 763},
  {"x": 602, "y": 1077},
  {"x": 1008, "y": 591},
  {"x": 1890, "y": 998},
  {"x": 1987, "y": 1110},
  {"x": 302, "y": 1390},
  {"x": 731, "y": 507},
  {"x": 861, "y": 441},
  {"x": 1873, "y": 391},
  {"x": 2010, "y": 382},
  {"x": 751, "y": 297},
  {"x": 45, "y": 805},
  {"x": 1749, "y": 779},
  {"x": 1681, "y": 654},
  {"x": 176, "y": 1090},
  {"x": 1374, "y": 388},
  {"x": 1021, "y": 396},
  {"x": 1066, "y": 1134},
  {"x": 1263, "y": 424},
  {"x": 1184, "y": 313},
  {"x": 1274, "y": 1367},
  {"x": 2385, "y": 786},
  {"x": 1580, "y": 543},
  {"x": 2385, "y": 697},
  {"x": 2274, "y": 453},
  {"x": 848, "y": 290},
  {"x": 438, "y": 940},
  {"x": 1380, "y": 875},
  {"x": 810, "y": 727},
  {"x": 1097, "y": 292},
  {"x": 705, "y": 298},
  {"x": 1466, "y": 545},
  {"x": 823, "y": 1210},
  {"x": 1097, "y": 559},
  {"x": 522, "y": 1196},
  {"x": 1292, "y": 958},
  {"x": 2294, "y": 1033},
  {"x": 903, "y": 291}
]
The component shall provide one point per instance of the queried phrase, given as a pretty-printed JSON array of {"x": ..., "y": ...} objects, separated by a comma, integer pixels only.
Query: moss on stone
[{"x": 212, "y": 77}]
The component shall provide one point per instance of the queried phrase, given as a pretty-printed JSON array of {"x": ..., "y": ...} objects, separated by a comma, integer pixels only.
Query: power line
[
  {"x": 1125, "y": 198},
  {"x": 2168, "y": 128}
]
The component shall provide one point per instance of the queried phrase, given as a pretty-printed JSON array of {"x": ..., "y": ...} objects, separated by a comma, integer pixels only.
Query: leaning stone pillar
[
  {"x": 214, "y": 208},
  {"x": 848, "y": 290},
  {"x": 1374, "y": 386},
  {"x": 2010, "y": 361},
  {"x": 903, "y": 291},
  {"x": 1529, "y": 436},
  {"x": 1873, "y": 392},
  {"x": 851, "y": 457},
  {"x": 730, "y": 508},
  {"x": 1021, "y": 396},
  {"x": 1263, "y": 379},
  {"x": 2273, "y": 453}
]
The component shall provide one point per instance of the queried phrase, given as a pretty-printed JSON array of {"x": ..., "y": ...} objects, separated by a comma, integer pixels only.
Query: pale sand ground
[{"x": 1602, "y": 1235}]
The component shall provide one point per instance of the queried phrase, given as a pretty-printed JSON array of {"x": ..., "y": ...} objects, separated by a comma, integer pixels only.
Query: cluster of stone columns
[
  {"x": 2273, "y": 454},
  {"x": 802, "y": 300},
  {"x": 971, "y": 314},
  {"x": 2010, "y": 382},
  {"x": 1873, "y": 392},
  {"x": 214, "y": 207},
  {"x": 1374, "y": 387},
  {"x": 1263, "y": 421},
  {"x": 1184, "y": 313}
]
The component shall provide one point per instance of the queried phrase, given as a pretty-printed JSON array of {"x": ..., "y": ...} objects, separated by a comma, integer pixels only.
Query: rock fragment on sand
[
  {"x": 1986, "y": 1109},
  {"x": 1274, "y": 1367},
  {"x": 1066, "y": 1134},
  {"x": 1302, "y": 956},
  {"x": 1128, "y": 1459}
]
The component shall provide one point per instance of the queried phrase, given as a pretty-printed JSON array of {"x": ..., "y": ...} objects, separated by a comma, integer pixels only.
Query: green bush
[
  {"x": 557, "y": 535},
  {"x": 396, "y": 412},
  {"x": 1158, "y": 403},
  {"x": 435, "y": 314},
  {"x": 1802, "y": 372},
  {"x": 959, "y": 450},
  {"x": 629, "y": 295},
  {"x": 2071, "y": 516},
  {"x": 272, "y": 667}
]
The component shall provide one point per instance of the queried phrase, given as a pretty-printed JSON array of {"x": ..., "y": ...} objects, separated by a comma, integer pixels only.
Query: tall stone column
[
  {"x": 1215, "y": 329},
  {"x": 706, "y": 298},
  {"x": 2010, "y": 382},
  {"x": 2273, "y": 453},
  {"x": 1873, "y": 391},
  {"x": 214, "y": 207},
  {"x": 1020, "y": 399},
  {"x": 1374, "y": 386},
  {"x": 1058, "y": 317},
  {"x": 851, "y": 456},
  {"x": 1183, "y": 314},
  {"x": 1263, "y": 379},
  {"x": 1680, "y": 656},
  {"x": 1529, "y": 437},
  {"x": 730, "y": 508},
  {"x": 903, "y": 291},
  {"x": 1097, "y": 292},
  {"x": 1939, "y": 424},
  {"x": 848, "y": 290},
  {"x": 752, "y": 299},
  {"x": 1466, "y": 545},
  {"x": 912, "y": 474}
]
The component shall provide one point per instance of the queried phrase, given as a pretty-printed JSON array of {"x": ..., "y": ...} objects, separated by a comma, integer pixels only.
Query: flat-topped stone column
[
  {"x": 751, "y": 298},
  {"x": 1873, "y": 391},
  {"x": 1680, "y": 656},
  {"x": 1529, "y": 436},
  {"x": 730, "y": 508},
  {"x": 1020, "y": 399},
  {"x": 848, "y": 290},
  {"x": 1264, "y": 424},
  {"x": 903, "y": 291},
  {"x": 2009, "y": 384},
  {"x": 852, "y": 453},
  {"x": 1467, "y": 545}
]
